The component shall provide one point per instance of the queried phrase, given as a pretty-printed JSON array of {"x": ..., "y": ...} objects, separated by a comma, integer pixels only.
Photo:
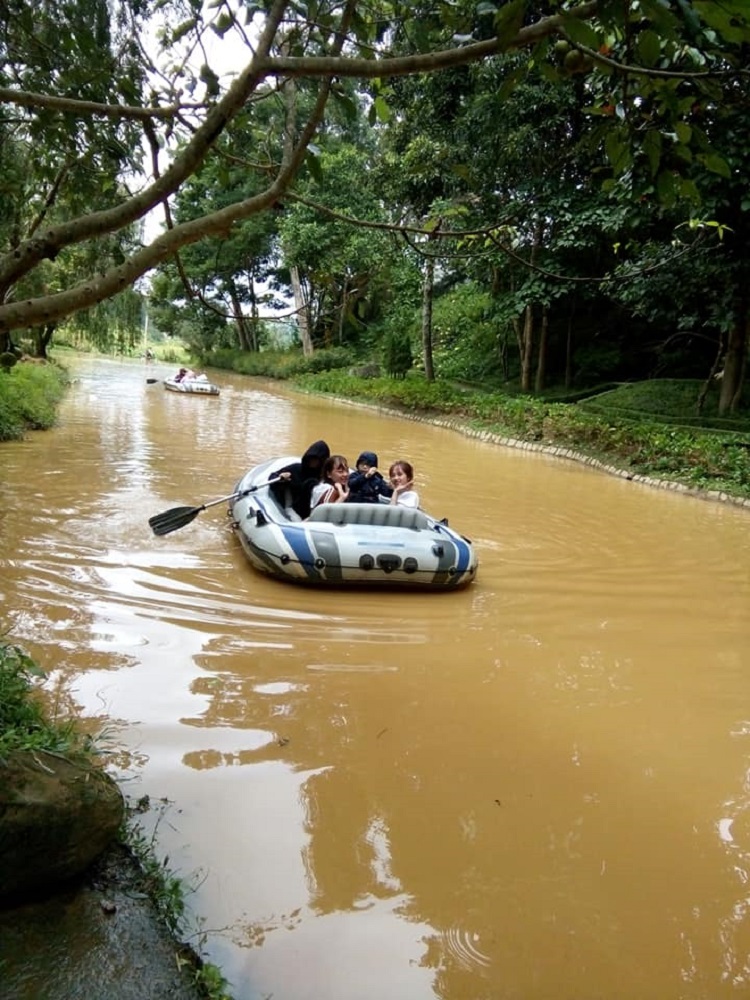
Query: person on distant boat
[
  {"x": 366, "y": 483},
  {"x": 401, "y": 475},
  {"x": 293, "y": 485},
  {"x": 334, "y": 486}
]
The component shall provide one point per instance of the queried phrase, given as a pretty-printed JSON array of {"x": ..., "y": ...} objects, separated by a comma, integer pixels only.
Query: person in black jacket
[
  {"x": 294, "y": 483},
  {"x": 366, "y": 484}
]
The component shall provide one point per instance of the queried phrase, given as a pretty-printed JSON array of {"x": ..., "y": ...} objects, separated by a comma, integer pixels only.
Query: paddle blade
[
  {"x": 152, "y": 381},
  {"x": 172, "y": 520}
]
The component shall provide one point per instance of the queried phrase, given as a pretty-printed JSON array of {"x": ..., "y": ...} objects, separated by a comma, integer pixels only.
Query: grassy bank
[
  {"x": 30, "y": 395},
  {"x": 657, "y": 445},
  {"x": 649, "y": 429}
]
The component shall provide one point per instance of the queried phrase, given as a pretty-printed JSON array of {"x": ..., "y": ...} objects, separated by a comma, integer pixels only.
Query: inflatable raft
[
  {"x": 376, "y": 545},
  {"x": 199, "y": 386}
]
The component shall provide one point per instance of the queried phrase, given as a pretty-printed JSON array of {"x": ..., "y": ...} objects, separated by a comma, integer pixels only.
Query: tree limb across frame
[{"x": 47, "y": 244}]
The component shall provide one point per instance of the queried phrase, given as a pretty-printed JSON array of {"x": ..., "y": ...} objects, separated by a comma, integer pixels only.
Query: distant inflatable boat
[
  {"x": 199, "y": 386},
  {"x": 376, "y": 545}
]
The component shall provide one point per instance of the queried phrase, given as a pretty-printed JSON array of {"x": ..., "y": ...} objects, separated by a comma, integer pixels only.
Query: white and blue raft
[{"x": 377, "y": 545}]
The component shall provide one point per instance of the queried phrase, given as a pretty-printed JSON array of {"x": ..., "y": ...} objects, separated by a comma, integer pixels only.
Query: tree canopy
[{"x": 501, "y": 131}]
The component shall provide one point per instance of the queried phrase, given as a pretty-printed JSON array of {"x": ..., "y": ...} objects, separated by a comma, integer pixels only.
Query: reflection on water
[{"x": 536, "y": 786}]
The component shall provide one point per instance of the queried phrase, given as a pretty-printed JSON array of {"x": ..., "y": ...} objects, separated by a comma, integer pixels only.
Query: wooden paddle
[{"x": 179, "y": 517}]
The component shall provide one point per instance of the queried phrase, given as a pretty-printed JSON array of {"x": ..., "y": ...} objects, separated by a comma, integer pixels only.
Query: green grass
[
  {"x": 24, "y": 724},
  {"x": 672, "y": 401},
  {"x": 30, "y": 395},
  {"x": 639, "y": 441}
]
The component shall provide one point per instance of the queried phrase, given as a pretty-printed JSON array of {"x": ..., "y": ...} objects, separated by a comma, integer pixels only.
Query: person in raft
[
  {"x": 401, "y": 475},
  {"x": 184, "y": 374},
  {"x": 293, "y": 485},
  {"x": 333, "y": 488},
  {"x": 366, "y": 483}
]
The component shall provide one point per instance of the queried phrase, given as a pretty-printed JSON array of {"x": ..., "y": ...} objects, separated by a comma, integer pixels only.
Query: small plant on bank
[{"x": 23, "y": 721}]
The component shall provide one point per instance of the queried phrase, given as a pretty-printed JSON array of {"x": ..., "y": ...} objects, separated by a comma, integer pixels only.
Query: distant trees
[{"x": 550, "y": 153}]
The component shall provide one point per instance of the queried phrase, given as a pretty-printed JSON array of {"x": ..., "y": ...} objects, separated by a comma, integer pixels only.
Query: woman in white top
[
  {"x": 401, "y": 474},
  {"x": 333, "y": 487}
]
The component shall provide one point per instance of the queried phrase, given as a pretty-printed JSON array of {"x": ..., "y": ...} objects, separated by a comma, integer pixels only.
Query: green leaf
[
  {"x": 222, "y": 24},
  {"x": 182, "y": 29},
  {"x": 346, "y": 103},
  {"x": 683, "y": 132},
  {"x": 508, "y": 22},
  {"x": 730, "y": 18},
  {"x": 210, "y": 79},
  {"x": 652, "y": 145},
  {"x": 581, "y": 32},
  {"x": 665, "y": 187},
  {"x": 618, "y": 152},
  {"x": 312, "y": 162},
  {"x": 689, "y": 191},
  {"x": 648, "y": 46},
  {"x": 382, "y": 111},
  {"x": 717, "y": 165}
]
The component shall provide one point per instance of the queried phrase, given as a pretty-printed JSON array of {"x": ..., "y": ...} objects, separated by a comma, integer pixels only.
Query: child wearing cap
[{"x": 366, "y": 484}]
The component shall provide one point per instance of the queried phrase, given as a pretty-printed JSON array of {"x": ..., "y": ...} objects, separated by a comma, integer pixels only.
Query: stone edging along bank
[{"x": 460, "y": 427}]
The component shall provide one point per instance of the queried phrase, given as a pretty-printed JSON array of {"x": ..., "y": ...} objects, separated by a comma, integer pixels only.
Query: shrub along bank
[
  {"x": 646, "y": 429},
  {"x": 29, "y": 397},
  {"x": 641, "y": 443}
]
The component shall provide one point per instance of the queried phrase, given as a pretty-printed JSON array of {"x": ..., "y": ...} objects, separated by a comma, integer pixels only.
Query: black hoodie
[{"x": 304, "y": 475}]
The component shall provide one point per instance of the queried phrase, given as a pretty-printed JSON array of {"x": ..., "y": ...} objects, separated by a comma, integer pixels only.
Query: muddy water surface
[{"x": 537, "y": 787}]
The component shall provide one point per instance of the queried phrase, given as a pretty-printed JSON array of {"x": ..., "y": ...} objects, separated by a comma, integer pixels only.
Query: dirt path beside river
[{"x": 102, "y": 940}]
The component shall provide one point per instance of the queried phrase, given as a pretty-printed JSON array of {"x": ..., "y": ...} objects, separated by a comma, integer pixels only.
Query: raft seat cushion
[{"x": 392, "y": 516}]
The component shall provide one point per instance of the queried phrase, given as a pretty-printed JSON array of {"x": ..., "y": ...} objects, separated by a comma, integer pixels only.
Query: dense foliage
[
  {"x": 29, "y": 398},
  {"x": 534, "y": 194}
]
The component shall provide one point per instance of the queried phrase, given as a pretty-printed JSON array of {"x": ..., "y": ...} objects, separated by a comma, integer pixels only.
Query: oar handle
[
  {"x": 232, "y": 496},
  {"x": 236, "y": 496}
]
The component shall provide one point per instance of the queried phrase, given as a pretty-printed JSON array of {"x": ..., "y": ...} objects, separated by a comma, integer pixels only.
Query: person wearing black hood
[
  {"x": 366, "y": 484},
  {"x": 293, "y": 484}
]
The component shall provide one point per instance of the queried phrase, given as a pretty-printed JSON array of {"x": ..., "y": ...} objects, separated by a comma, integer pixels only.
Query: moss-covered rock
[{"x": 56, "y": 817}]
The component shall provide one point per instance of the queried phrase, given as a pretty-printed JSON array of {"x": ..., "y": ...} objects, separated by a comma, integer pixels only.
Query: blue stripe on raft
[
  {"x": 297, "y": 540},
  {"x": 464, "y": 554}
]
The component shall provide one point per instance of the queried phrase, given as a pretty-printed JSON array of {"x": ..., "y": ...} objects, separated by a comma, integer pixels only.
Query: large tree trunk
[
  {"x": 736, "y": 357},
  {"x": 526, "y": 347},
  {"x": 569, "y": 350},
  {"x": 527, "y": 338},
  {"x": 427, "y": 293},
  {"x": 302, "y": 306},
  {"x": 240, "y": 321},
  {"x": 43, "y": 338},
  {"x": 541, "y": 363}
]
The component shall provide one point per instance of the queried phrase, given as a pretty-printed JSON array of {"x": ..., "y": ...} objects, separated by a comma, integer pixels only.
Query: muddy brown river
[{"x": 536, "y": 788}]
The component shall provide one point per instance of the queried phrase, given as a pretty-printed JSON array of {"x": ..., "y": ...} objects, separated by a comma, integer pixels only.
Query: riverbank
[
  {"x": 645, "y": 432},
  {"x": 702, "y": 462},
  {"x": 569, "y": 454},
  {"x": 102, "y": 939},
  {"x": 111, "y": 931}
]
